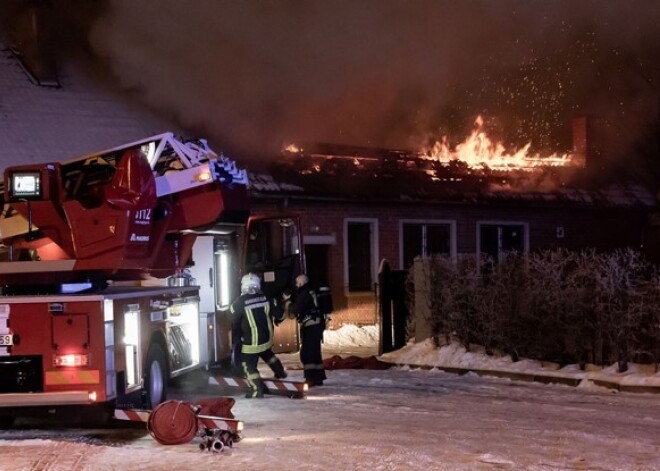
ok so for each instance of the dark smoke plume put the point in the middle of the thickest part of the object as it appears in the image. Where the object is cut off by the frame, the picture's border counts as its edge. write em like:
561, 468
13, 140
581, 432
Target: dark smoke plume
255, 75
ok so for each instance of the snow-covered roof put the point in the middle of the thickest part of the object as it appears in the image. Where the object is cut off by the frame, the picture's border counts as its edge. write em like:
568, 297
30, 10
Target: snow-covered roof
83, 115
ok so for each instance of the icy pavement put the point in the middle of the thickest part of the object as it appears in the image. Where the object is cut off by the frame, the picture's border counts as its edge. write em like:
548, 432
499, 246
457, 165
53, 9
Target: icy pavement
397, 419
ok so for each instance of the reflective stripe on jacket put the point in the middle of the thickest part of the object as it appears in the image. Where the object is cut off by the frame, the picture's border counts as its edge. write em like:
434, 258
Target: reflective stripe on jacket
305, 307
252, 322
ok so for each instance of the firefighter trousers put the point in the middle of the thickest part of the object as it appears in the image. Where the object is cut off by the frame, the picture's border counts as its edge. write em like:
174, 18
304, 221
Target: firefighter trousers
249, 366
310, 353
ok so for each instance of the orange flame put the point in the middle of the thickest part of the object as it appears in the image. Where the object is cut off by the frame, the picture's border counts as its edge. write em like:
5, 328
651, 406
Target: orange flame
478, 151
294, 149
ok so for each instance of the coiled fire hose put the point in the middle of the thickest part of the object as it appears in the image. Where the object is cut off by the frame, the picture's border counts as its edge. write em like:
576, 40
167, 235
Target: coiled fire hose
173, 423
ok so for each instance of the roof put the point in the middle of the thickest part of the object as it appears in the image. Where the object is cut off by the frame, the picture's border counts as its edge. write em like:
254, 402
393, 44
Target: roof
398, 176
42, 124
83, 115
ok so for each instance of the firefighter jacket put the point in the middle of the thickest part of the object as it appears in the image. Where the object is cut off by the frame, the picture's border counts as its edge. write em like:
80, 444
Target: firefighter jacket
252, 322
305, 307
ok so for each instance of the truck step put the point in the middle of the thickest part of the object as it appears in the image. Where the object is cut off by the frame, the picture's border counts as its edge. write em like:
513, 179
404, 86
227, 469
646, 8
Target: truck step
133, 415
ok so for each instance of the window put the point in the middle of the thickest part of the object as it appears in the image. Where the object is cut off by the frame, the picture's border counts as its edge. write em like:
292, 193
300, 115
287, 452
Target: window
495, 238
361, 253
273, 252
425, 238
317, 258
271, 240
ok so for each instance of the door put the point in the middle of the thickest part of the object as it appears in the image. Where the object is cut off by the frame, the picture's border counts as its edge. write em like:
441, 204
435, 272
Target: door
273, 251
203, 273
216, 271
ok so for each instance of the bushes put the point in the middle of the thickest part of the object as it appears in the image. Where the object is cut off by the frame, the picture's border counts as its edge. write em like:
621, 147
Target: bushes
560, 306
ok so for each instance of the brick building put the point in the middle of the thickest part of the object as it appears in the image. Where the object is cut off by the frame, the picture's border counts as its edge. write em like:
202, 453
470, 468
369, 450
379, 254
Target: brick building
359, 206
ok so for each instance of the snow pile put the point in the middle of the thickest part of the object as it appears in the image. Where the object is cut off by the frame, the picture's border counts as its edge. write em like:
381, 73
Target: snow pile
363, 341
352, 336
454, 355
637, 375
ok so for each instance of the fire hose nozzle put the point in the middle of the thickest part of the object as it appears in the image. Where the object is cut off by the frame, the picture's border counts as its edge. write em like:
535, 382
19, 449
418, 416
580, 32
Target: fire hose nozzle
217, 446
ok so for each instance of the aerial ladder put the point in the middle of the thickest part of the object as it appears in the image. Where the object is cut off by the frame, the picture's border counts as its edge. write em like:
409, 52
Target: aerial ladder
99, 307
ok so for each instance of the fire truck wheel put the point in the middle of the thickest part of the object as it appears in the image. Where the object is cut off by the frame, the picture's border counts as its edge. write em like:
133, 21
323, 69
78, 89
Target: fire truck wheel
6, 421
156, 380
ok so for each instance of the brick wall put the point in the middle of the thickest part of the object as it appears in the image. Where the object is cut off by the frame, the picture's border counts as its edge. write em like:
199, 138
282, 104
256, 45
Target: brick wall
604, 229
359, 310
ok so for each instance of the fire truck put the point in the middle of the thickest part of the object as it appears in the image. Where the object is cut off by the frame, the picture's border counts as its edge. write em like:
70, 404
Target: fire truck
117, 270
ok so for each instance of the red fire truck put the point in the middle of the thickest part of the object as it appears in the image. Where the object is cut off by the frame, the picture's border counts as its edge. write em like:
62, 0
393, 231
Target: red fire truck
117, 269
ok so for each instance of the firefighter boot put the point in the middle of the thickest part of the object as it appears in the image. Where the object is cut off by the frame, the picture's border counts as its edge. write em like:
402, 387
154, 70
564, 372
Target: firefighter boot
256, 390
275, 364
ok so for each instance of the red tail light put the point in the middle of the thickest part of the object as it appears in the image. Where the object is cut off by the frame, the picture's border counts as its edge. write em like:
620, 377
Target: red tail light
71, 360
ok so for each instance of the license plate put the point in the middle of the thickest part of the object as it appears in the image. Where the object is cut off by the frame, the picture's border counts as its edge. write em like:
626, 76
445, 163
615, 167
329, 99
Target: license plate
6, 339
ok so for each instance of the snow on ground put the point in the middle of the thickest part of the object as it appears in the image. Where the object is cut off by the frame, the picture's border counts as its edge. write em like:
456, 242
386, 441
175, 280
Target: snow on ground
397, 419
454, 355
425, 353
352, 336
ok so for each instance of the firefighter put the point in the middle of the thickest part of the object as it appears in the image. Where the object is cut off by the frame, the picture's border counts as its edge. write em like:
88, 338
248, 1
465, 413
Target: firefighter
252, 333
312, 323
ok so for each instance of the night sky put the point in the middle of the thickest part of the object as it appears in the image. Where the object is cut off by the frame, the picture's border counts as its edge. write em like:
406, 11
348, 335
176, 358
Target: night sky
256, 75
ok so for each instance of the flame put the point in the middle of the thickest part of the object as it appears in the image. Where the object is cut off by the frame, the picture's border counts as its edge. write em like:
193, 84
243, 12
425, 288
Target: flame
478, 151
292, 148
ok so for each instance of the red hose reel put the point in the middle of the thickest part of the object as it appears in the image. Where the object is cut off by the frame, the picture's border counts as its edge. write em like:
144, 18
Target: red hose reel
177, 422
173, 423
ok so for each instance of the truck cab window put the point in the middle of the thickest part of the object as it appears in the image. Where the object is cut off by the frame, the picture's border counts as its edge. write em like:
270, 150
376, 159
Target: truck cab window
270, 241
273, 252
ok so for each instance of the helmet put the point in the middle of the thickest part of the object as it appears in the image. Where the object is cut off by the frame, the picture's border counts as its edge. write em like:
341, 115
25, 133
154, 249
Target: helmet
301, 280
250, 284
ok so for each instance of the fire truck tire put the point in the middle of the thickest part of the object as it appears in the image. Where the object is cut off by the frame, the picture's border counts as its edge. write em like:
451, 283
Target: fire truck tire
156, 379
6, 421
99, 416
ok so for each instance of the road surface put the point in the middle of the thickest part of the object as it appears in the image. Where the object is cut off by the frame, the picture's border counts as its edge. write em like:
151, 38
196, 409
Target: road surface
395, 419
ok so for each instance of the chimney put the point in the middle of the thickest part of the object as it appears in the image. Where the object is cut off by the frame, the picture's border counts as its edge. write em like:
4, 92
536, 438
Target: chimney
588, 134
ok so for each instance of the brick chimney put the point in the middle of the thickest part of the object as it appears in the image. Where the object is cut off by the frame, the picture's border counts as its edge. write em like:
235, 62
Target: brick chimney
580, 140
586, 152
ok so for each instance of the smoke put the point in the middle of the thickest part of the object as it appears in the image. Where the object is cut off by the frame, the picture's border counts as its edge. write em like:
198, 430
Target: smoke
253, 76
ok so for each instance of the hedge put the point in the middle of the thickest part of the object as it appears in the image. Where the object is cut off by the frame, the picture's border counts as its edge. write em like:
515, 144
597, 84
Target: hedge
557, 305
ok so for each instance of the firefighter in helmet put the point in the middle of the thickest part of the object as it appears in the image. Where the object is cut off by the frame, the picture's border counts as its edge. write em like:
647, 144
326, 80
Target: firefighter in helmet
252, 333
312, 324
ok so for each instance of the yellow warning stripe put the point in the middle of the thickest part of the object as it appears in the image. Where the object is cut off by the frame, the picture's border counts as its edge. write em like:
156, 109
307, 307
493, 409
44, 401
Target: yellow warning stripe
54, 378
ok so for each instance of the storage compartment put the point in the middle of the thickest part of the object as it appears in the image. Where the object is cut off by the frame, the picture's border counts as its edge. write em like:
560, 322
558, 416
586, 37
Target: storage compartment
183, 335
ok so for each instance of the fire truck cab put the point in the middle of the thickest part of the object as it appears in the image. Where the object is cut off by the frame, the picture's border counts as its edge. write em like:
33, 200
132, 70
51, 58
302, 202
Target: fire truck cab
117, 270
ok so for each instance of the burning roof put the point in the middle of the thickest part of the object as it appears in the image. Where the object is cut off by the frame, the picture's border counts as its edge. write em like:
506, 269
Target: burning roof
477, 170
480, 151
